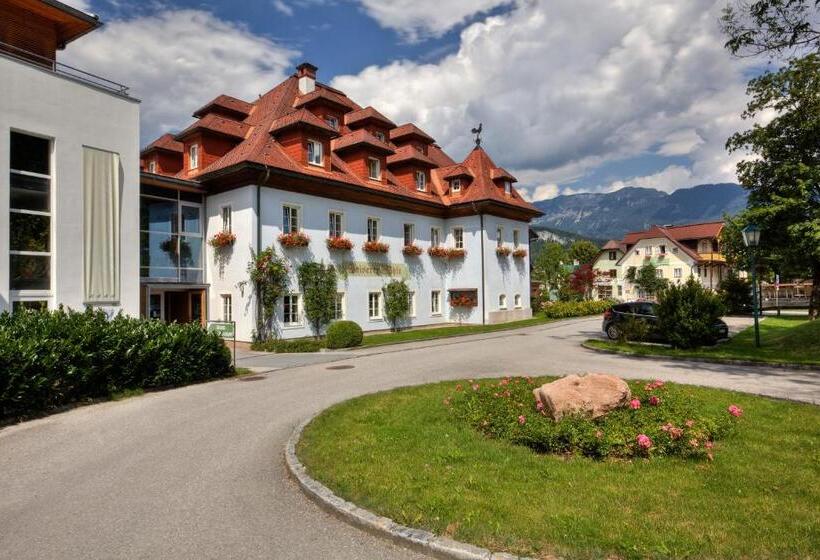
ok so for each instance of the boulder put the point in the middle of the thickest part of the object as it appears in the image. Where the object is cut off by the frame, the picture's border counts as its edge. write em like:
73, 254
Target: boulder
591, 395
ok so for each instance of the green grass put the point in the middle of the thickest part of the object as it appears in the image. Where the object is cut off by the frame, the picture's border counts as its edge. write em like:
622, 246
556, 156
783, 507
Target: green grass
782, 339
403, 455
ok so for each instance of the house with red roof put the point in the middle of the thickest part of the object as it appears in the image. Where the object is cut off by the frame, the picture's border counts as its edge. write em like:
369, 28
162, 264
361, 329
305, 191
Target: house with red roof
677, 252
378, 200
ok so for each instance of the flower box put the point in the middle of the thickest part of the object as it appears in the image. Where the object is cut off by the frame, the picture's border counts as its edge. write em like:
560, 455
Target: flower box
456, 253
375, 247
463, 298
520, 253
411, 250
294, 240
503, 251
222, 239
438, 252
339, 244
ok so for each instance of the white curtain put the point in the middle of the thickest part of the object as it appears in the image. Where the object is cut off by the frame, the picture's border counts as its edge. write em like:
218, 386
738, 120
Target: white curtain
101, 226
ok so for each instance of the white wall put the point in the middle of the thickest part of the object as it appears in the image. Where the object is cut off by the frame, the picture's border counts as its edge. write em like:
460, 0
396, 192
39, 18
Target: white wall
73, 115
506, 275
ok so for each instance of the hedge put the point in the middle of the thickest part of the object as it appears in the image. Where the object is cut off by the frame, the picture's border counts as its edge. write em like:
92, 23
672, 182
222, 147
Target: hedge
565, 309
287, 346
344, 334
50, 359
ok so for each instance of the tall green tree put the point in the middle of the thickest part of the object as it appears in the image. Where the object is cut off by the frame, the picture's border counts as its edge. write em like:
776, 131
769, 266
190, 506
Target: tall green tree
646, 278
318, 284
583, 251
772, 27
547, 266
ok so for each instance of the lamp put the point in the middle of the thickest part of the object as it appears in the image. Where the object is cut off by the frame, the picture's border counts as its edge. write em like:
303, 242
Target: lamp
751, 238
751, 235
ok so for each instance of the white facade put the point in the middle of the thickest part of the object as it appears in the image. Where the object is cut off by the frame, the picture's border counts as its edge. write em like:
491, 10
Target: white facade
72, 115
362, 273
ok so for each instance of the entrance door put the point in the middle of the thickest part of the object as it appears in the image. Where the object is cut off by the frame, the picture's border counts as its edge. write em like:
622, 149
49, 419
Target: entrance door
177, 307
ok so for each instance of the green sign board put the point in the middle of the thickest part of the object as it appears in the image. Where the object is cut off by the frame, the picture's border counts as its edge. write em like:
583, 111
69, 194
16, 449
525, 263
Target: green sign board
225, 329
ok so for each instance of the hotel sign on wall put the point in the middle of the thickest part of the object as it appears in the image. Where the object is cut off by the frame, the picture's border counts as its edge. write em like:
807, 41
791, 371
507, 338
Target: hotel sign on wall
361, 268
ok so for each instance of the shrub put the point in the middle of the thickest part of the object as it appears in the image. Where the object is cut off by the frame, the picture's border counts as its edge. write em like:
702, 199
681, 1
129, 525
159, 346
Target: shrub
687, 314
396, 302
736, 294
287, 346
343, 334
632, 329
50, 359
663, 419
565, 309
318, 284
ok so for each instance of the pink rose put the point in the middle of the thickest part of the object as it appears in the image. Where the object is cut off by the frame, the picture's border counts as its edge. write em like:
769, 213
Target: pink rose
475, 386
675, 433
690, 423
599, 434
522, 419
654, 401
643, 441
458, 387
735, 410
539, 405
693, 442
634, 404
709, 445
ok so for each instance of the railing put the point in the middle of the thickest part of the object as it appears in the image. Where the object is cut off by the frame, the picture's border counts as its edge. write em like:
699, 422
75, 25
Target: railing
62, 69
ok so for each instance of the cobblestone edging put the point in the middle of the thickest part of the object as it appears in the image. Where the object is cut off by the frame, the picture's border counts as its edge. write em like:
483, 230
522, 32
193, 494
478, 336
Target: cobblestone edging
727, 361
425, 541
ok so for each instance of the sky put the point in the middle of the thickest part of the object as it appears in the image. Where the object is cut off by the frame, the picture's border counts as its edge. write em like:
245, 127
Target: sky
574, 95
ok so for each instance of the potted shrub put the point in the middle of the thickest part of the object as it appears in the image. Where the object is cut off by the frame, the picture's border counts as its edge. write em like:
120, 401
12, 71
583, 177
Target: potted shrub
411, 250
503, 251
520, 253
339, 244
438, 252
375, 247
294, 240
456, 253
222, 239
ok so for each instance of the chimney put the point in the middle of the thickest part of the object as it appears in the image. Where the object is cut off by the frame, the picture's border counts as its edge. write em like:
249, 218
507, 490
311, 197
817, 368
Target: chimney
306, 72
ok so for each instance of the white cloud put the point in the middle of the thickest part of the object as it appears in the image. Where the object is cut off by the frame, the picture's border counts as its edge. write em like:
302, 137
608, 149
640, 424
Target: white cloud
282, 8
83, 5
563, 86
417, 19
177, 60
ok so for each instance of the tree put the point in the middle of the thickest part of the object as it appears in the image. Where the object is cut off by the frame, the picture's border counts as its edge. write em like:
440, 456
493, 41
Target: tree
318, 284
736, 294
773, 27
646, 278
268, 276
547, 267
783, 176
396, 302
580, 280
583, 251
687, 314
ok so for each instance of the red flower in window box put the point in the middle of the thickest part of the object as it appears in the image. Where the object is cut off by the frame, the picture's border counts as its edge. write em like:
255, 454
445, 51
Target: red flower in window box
411, 250
375, 247
293, 240
463, 301
456, 253
438, 252
222, 239
339, 243
503, 251
520, 253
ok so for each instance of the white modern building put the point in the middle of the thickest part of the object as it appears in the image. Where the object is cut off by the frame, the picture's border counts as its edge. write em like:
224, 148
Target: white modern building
69, 169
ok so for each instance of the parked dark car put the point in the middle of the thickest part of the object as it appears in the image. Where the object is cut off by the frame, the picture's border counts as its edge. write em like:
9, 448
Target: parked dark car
645, 311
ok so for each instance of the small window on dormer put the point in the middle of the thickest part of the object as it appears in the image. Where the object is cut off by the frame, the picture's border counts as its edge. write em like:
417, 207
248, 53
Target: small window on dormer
380, 135
374, 169
421, 181
507, 188
455, 185
152, 167
314, 152
332, 122
193, 156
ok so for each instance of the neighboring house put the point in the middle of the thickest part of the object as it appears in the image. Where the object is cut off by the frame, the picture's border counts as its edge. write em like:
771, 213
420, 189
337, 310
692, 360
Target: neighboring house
69, 169
303, 158
677, 252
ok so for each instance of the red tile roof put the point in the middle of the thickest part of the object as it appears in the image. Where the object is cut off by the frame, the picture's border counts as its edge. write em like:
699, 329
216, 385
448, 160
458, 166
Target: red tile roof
409, 154
367, 114
165, 142
409, 129
330, 96
220, 125
676, 234
453, 171
696, 231
501, 173
227, 103
360, 138
611, 245
301, 117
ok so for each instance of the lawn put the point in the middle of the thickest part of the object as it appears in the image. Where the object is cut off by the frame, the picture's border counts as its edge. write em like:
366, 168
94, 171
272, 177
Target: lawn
782, 339
403, 454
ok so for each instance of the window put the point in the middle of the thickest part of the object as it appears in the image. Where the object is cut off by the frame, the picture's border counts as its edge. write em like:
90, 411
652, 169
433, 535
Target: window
620, 290
502, 301
649, 251
193, 156
663, 249
314, 152
499, 236
517, 300
227, 307
30, 213
435, 237
380, 135
171, 240
674, 250
507, 188
374, 169
421, 181
372, 229
516, 238
290, 219
334, 228
678, 273
409, 234
435, 302
225, 212
613, 255
455, 185
374, 305
339, 307
290, 307
29, 305
411, 304
458, 237
659, 272
152, 167
332, 122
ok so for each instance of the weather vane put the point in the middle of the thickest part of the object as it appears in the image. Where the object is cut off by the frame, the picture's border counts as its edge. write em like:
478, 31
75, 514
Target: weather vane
477, 132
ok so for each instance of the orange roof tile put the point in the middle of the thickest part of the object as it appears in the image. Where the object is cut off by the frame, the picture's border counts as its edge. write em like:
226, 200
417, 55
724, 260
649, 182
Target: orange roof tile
501, 173
328, 95
611, 245
406, 154
226, 103
453, 171
301, 117
360, 137
220, 125
165, 142
367, 114
409, 129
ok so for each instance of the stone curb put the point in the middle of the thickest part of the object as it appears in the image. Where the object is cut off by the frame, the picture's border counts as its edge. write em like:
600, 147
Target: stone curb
727, 361
418, 539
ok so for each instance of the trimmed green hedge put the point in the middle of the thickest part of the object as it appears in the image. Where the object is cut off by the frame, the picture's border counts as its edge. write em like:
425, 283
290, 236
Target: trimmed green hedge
288, 346
50, 359
565, 309
344, 334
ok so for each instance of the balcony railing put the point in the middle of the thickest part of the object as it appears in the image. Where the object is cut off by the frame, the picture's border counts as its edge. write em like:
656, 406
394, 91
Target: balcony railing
62, 69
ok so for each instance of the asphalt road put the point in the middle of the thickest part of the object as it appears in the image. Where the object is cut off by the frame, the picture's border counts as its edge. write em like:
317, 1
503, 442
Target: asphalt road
198, 473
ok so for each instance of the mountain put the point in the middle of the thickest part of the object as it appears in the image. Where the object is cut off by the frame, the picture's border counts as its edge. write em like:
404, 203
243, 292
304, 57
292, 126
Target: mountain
611, 215
567, 238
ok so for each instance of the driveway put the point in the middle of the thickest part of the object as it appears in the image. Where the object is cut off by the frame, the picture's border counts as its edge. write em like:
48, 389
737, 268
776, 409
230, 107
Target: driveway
197, 472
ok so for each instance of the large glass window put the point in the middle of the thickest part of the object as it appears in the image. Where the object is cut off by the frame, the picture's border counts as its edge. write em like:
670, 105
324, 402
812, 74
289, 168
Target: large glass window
29, 213
171, 241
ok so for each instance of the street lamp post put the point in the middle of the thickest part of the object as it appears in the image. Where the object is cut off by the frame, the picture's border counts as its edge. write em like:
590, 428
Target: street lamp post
751, 238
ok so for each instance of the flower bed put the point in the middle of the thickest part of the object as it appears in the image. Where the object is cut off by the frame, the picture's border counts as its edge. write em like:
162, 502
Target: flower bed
339, 244
661, 419
222, 239
294, 240
375, 247
411, 250
503, 251
520, 253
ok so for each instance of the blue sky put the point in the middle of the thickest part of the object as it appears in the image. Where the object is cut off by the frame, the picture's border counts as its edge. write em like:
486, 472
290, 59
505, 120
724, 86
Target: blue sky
575, 95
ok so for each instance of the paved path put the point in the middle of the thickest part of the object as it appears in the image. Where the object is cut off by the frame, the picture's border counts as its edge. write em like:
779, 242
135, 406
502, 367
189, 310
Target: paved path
198, 473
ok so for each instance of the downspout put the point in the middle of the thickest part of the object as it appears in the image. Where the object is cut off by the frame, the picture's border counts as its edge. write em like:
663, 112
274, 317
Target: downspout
483, 295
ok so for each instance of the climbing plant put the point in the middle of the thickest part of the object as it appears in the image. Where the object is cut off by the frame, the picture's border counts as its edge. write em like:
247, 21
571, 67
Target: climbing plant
396, 302
268, 277
318, 285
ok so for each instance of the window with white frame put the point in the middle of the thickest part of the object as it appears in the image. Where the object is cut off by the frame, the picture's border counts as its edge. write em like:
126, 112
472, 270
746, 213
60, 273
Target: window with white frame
502, 301
411, 304
335, 228
409, 234
193, 156
380, 135
227, 307
435, 237
332, 122
314, 148
339, 307
290, 218
517, 300
649, 250
290, 310
225, 213
613, 255
421, 181
659, 272
458, 237
372, 229
29, 213
455, 185
374, 168
516, 238
620, 290
374, 305
152, 166
435, 302
499, 236
678, 273
507, 188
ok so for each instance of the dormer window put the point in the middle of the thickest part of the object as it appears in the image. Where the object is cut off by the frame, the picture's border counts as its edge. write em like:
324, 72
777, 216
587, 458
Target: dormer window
421, 181
380, 135
152, 167
507, 188
193, 156
332, 122
314, 149
374, 169
455, 185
